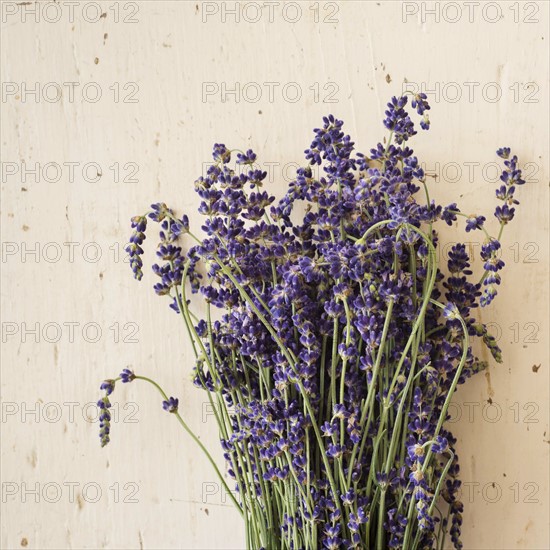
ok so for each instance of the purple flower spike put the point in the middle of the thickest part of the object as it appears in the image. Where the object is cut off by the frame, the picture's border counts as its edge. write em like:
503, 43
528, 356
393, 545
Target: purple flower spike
127, 376
171, 405
108, 386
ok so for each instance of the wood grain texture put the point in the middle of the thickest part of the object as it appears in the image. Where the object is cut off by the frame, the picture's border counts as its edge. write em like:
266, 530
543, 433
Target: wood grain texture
171, 61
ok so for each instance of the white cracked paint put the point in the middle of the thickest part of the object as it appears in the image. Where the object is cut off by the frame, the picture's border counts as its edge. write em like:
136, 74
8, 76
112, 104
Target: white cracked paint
357, 54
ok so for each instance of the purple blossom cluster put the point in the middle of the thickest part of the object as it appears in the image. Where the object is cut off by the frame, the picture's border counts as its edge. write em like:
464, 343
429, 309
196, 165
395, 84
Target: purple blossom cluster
338, 342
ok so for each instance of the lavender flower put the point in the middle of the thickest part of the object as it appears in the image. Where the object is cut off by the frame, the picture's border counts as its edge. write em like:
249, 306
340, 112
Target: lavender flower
171, 405
338, 340
474, 222
127, 376
108, 386
104, 419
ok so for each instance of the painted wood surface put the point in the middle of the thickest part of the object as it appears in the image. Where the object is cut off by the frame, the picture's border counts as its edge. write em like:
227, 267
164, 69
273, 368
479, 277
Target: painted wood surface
109, 106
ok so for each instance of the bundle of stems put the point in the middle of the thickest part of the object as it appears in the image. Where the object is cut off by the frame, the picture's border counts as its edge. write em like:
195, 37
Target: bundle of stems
337, 343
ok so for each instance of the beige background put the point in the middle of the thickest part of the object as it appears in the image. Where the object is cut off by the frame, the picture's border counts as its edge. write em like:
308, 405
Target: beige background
165, 80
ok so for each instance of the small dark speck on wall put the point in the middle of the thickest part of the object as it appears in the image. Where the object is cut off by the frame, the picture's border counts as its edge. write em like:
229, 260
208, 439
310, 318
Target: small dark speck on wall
536, 367
24, 541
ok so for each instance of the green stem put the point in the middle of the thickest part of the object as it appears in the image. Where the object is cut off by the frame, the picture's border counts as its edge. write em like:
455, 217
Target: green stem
197, 441
442, 417
291, 360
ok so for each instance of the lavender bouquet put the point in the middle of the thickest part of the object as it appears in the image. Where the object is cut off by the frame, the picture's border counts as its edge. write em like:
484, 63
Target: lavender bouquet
340, 341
